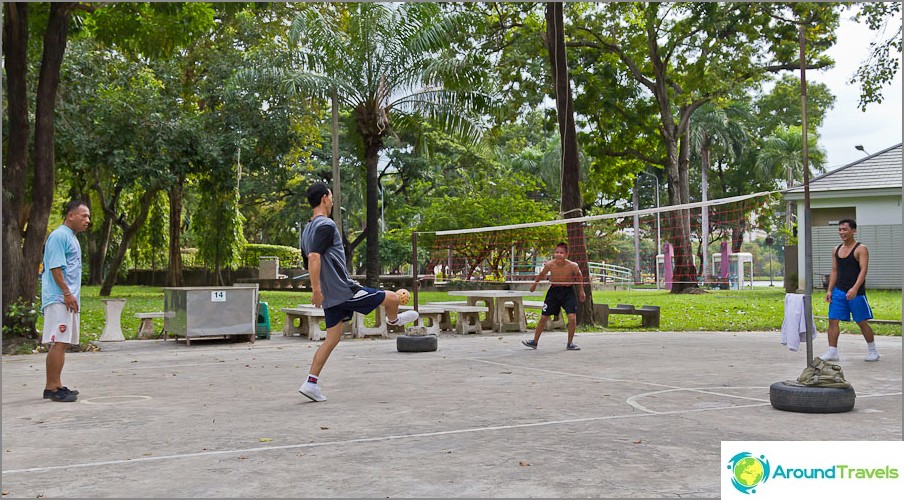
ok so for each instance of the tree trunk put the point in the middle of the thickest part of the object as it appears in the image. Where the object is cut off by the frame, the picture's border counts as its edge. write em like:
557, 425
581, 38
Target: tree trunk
372, 146
571, 169
174, 271
15, 54
98, 254
20, 257
128, 232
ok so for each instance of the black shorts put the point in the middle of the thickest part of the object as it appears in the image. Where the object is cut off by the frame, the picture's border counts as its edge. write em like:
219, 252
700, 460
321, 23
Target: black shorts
560, 297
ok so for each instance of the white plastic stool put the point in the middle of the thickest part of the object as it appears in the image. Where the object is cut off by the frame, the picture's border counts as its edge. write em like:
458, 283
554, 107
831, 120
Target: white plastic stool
113, 328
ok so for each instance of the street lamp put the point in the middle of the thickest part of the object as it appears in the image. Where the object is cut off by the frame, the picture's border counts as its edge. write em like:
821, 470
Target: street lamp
859, 147
769, 242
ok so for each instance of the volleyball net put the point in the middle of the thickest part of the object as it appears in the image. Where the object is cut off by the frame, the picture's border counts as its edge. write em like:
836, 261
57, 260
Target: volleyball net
655, 246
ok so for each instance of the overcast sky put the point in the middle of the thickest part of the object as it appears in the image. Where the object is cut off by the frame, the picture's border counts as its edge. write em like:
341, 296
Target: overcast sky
845, 125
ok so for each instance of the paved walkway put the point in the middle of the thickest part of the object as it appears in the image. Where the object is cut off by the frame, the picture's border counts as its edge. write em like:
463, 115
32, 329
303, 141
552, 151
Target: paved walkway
637, 414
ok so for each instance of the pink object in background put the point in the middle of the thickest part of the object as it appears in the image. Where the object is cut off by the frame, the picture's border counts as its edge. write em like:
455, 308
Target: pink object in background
723, 270
667, 254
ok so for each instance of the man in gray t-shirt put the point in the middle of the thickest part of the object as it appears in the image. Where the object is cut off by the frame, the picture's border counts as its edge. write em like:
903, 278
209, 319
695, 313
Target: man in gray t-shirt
333, 289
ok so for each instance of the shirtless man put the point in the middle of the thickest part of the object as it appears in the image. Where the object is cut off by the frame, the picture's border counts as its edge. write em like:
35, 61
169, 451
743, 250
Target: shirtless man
563, 275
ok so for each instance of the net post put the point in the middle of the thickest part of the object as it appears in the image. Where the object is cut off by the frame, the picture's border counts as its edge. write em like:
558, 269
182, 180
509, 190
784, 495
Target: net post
414, 282
808, 231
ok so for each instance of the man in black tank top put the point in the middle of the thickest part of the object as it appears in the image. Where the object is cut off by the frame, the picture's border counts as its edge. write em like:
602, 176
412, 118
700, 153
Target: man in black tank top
846, 293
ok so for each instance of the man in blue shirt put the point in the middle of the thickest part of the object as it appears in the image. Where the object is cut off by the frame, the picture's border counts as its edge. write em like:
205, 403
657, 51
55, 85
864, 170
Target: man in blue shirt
61, 282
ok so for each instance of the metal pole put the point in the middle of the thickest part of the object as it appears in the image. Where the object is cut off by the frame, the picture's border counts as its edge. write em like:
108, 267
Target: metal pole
414, 282
704, 213
808, 241
637, 279
658, 230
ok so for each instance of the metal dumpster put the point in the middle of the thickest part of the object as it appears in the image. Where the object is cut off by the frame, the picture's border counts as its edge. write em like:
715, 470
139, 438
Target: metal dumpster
193, 312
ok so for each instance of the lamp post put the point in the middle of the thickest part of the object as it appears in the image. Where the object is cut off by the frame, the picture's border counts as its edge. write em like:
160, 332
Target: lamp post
859, 147
769, 242
658, 234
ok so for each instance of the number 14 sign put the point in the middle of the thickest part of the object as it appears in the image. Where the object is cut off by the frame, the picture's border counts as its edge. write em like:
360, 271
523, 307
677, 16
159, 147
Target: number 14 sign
218, 296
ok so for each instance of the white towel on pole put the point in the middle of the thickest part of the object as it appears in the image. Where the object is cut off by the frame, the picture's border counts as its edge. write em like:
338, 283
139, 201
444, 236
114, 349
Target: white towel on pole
794, 326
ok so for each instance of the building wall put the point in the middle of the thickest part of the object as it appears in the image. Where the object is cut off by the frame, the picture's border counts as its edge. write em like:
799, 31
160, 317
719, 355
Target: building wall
879, 227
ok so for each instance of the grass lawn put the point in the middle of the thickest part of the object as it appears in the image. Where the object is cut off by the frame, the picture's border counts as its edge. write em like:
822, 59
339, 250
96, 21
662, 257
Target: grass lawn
760, 309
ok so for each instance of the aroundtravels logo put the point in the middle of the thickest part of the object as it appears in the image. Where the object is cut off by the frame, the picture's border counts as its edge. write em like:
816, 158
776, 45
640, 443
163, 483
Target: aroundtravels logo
748, 471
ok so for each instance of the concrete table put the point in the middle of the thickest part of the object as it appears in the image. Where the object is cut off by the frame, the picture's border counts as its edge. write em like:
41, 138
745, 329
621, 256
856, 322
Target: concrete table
506, 307
113, 327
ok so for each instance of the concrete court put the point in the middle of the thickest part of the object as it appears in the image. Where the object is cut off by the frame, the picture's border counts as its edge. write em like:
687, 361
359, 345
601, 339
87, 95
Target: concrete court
637, 414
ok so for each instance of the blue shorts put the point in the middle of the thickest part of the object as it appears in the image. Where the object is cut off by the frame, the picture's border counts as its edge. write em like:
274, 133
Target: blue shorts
842, 309
364, 301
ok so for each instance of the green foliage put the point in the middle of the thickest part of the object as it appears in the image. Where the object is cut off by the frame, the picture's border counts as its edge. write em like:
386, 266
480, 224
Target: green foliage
395, 251
880, 68
219, 228
485, 208
288, 256
20, 317
149, 247
782, 107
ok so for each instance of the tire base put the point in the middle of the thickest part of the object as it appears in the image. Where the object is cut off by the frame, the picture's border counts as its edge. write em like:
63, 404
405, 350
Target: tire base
793, 396
416, 343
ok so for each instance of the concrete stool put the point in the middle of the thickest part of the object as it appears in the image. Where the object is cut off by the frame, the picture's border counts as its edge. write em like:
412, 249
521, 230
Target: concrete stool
113, 312
379, 328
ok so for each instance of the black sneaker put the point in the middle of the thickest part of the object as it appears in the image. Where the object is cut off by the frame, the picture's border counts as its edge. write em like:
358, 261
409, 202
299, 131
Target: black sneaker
47, 392
572, 347
62, 395
530, 343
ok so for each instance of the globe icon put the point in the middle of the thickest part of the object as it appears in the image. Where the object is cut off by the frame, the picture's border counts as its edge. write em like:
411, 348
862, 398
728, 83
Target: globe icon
748, 471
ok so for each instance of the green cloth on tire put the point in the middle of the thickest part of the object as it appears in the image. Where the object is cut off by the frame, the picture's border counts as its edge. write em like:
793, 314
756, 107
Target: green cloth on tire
823, 374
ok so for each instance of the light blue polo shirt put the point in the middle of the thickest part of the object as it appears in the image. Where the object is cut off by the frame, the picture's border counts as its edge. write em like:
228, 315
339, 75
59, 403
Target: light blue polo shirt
61, 250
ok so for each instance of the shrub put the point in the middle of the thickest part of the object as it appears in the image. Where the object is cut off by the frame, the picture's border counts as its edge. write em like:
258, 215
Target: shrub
20, 319
288, 256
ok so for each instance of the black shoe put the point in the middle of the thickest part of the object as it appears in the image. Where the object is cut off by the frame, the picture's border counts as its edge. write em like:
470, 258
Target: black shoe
572, 347
47, 392
63, 396
530, 343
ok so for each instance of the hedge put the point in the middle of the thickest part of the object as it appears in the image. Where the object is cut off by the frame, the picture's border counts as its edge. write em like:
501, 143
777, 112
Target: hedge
288, 256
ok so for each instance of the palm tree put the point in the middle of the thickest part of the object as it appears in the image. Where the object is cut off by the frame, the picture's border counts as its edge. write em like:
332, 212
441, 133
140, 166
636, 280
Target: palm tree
782, 156
391, 64
712, 127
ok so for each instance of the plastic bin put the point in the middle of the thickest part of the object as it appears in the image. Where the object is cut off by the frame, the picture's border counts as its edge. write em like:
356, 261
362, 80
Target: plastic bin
262, 329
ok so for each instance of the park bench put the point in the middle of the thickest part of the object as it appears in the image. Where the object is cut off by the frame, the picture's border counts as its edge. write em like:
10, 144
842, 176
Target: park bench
467, 317
649, 315
146, 327
873, 321
305, 320
430, 318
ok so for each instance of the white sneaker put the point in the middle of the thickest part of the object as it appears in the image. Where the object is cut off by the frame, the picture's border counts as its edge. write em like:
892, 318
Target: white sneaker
872, 356
404, 318
830, 356
311, 391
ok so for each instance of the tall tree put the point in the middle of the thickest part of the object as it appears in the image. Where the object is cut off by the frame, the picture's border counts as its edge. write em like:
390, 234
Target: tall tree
28, 186
572, 202
387, 63
684, 55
